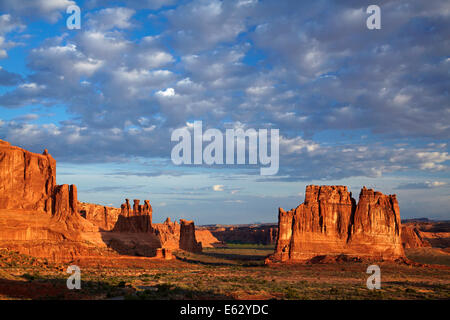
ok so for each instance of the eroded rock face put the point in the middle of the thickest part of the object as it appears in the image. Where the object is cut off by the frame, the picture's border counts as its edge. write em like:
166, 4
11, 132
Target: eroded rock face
102, 216
206, 238
412, 237
187, 237
27, 179
329, 222
137, 220
65, 202
376, 231
168, 234
40, 218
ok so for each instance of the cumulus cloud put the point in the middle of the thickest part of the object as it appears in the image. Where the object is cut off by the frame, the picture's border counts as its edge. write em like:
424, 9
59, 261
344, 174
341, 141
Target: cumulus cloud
202, 24
169, 92
310, 69
49, 10
110, 18
422, 185
136, 4
217, 187
8, 24
9, 78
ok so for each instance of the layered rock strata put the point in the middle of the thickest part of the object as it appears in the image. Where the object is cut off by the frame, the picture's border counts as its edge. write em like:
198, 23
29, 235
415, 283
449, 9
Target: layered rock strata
413, 238
329, 222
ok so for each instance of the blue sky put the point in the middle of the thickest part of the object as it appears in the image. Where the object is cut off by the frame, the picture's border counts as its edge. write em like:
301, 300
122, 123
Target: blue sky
354, 106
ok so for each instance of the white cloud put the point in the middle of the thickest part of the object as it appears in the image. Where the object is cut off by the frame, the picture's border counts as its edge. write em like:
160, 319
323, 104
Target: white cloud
297, 145
110, 18
50, 10
154, 59
217, 187
7, 25
436, 183
169, 92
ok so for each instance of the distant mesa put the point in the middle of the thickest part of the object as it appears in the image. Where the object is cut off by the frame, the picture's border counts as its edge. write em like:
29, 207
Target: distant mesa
412, 237
261, 234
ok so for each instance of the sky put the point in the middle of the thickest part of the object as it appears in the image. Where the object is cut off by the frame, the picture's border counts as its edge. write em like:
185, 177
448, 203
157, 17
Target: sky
353, 106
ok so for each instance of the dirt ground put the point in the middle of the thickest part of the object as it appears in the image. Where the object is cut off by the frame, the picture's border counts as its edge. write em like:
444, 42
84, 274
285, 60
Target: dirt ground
236, 272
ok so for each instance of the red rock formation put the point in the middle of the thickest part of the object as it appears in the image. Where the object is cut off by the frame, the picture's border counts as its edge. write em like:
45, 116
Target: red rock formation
412, 237
102, 216
187, 237
329, 223
138, 220
377, 225
132, 232
437, 234
168, 234
39, 218
159, 253
282, 249
167, 253
206, 238
65, 202
27, 179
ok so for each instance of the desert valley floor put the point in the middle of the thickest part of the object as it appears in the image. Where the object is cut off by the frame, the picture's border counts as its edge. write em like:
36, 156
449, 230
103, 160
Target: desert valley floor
234, 272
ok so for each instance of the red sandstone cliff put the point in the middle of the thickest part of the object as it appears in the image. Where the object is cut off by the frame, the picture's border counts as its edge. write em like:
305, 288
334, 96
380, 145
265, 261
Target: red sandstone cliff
27, 179
130, 230
206, 238
412, 237
188, 241
329, 222
42, 219
103, 216
38, 217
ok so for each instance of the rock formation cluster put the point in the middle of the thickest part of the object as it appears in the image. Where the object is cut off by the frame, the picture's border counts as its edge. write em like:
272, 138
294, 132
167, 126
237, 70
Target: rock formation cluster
40, 218
136, 219
329, 222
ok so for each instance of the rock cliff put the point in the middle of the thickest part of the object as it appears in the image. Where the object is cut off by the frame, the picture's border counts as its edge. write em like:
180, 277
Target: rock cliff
103, 216
42, 219
412, 237
329, 222
188, 241
27, 179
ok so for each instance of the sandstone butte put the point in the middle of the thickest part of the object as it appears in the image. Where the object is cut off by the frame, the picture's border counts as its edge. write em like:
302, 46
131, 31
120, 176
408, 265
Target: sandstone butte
330, 223
43, 219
